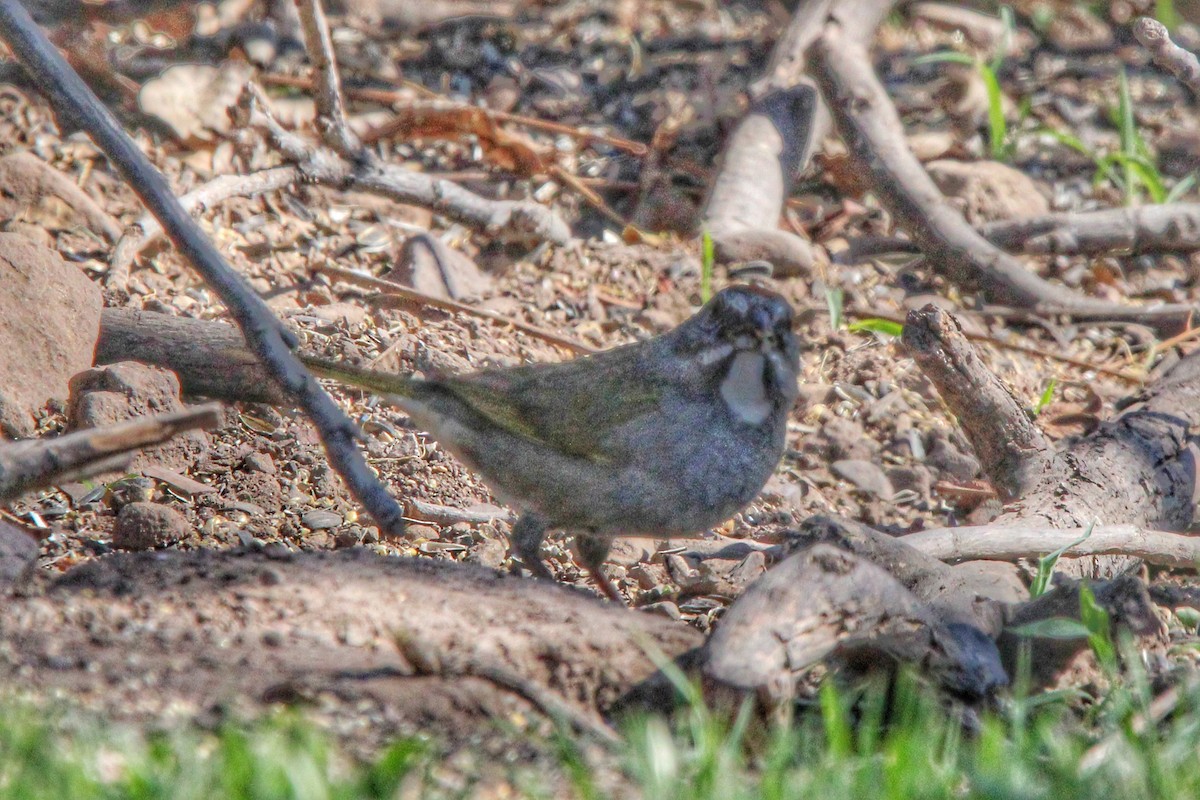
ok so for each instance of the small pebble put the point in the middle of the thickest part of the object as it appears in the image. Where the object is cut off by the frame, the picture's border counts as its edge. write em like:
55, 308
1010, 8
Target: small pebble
259, 462
143, 526
666, 608
321, 520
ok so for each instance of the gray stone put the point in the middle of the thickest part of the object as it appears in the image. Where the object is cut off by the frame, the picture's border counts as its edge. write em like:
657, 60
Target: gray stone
321, 520
865, 475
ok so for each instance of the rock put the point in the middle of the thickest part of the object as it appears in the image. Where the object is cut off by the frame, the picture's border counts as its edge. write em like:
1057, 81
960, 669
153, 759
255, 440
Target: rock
1074, 29
944, 455
349, 314
260, 488
691, 580
18, 556
144, 526
16, 422
321, 520
865, 475
49, 323
915, 479
488, 553
259, 462
135, 489
419, 531
747, 571
41, 199
989, 190
731, 576
429, 265
841, 438
664, 607
345, 539
118, 392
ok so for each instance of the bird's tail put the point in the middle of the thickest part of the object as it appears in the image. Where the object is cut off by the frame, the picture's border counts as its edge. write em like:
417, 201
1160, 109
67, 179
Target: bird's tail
372, 380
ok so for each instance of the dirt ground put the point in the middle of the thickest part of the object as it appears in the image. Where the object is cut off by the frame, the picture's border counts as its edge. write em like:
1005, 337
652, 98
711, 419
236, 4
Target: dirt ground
279, 589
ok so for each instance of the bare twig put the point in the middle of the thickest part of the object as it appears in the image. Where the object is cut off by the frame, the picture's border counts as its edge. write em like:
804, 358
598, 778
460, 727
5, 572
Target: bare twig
873, 133
1007, 442
422, 511
509, 220
420, 298
36, 463
1181, 63
1012, 542
1170, 228
265, 335
331, 110
147, 229
405, 104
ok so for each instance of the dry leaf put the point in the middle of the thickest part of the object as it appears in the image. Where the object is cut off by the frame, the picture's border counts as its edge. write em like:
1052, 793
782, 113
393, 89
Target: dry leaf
191, 98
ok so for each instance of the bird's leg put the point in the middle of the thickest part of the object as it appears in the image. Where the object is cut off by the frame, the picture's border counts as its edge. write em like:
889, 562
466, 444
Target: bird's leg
528, 533
592, 551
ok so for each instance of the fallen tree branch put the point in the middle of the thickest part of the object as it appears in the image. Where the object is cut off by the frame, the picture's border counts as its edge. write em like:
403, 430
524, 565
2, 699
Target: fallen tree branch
1010, 447
825, 601
759, 165
1137, 469
1015, 542
874, 135
35, 463
430, 660
265, 335
209, 357
774, 142
423, 511
1170, 228
1181, 63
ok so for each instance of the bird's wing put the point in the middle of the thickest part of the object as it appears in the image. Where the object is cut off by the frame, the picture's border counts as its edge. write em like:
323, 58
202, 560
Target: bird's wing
571, 407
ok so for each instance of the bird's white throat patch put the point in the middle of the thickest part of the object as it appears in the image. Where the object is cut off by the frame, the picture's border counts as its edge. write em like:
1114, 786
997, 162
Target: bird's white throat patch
745, 389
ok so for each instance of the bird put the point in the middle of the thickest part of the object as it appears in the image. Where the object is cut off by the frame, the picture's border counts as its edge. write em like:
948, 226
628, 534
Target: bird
665, 437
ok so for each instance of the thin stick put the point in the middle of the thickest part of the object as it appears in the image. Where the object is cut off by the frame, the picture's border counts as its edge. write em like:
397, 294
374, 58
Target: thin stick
146, 230
331, 109
35, 463
1181, 63
412, 295
422, 511
396, 98
509, 220
265, 335
1014, 542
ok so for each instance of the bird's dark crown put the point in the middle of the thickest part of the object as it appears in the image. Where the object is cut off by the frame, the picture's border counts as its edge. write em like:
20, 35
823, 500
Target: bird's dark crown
750, 311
